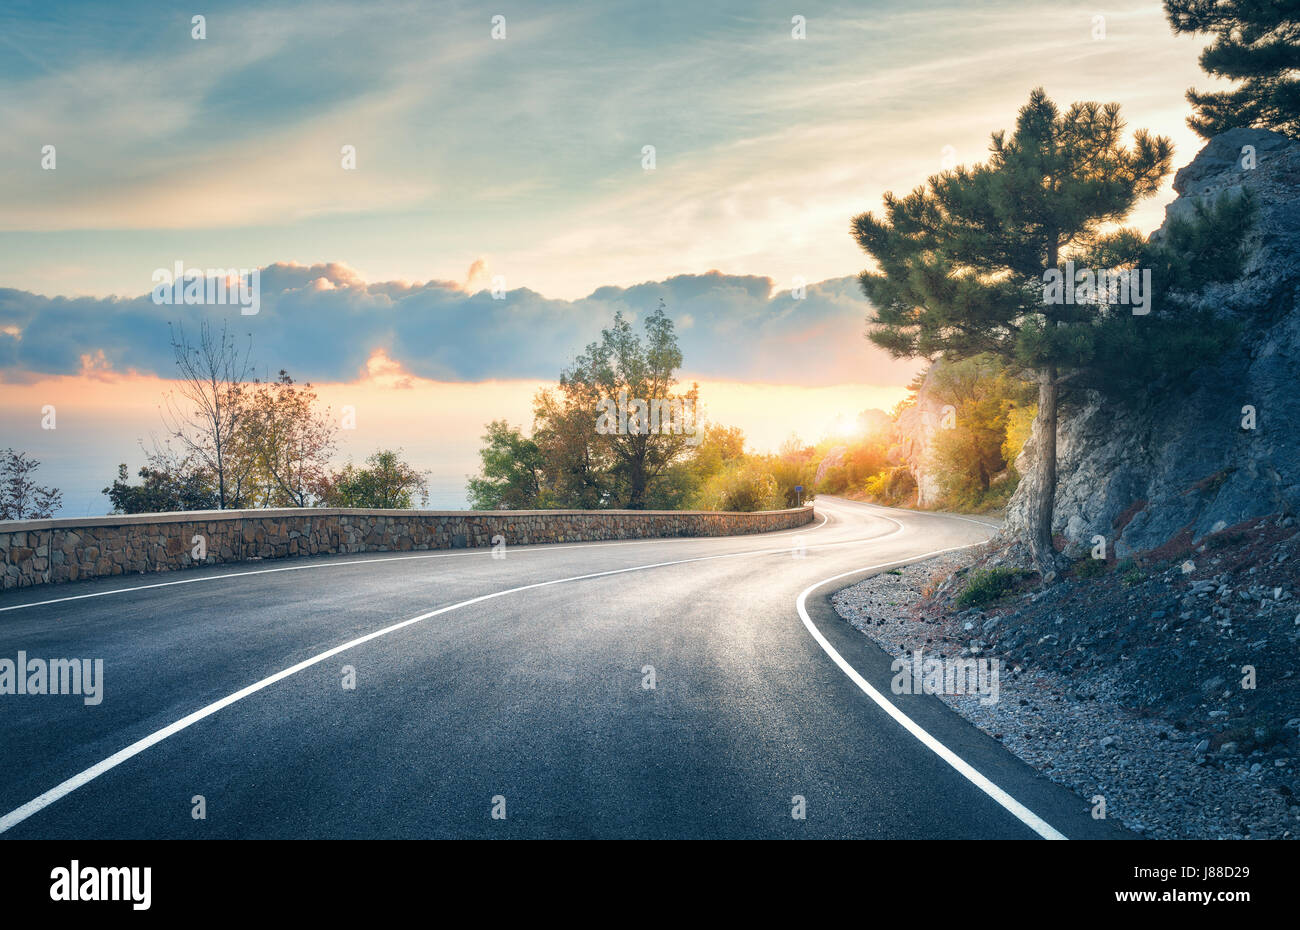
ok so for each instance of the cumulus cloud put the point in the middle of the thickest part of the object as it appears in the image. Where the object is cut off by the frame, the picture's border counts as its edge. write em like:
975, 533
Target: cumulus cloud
478, 276
324, 323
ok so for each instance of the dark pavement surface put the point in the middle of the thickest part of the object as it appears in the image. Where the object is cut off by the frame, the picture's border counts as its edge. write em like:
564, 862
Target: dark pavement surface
535, 695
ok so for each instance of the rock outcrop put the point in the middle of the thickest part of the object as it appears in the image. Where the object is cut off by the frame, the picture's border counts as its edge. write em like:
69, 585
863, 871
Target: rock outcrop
1224, 447
913, 433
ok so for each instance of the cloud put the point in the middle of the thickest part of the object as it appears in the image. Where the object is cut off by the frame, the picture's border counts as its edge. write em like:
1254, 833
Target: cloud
95, 366
325, 323
478, 276
384, 372
526, 150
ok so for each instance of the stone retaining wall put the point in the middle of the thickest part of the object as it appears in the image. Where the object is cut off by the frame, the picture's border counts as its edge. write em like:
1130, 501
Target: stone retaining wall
52, 551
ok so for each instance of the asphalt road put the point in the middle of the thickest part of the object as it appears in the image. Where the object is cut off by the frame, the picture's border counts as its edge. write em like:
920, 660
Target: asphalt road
520, 678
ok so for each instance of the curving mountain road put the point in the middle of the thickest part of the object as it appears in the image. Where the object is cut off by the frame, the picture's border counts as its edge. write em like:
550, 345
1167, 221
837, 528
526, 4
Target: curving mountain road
520, 678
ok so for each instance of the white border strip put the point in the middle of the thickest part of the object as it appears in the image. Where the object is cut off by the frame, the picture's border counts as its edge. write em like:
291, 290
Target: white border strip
964, 768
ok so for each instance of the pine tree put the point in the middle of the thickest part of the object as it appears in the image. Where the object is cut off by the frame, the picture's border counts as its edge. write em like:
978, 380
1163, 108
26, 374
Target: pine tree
1256, 42
962, 260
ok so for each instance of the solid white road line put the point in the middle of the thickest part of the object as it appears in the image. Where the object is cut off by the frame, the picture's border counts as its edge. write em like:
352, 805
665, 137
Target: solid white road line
964, 768
539, 547
65, 788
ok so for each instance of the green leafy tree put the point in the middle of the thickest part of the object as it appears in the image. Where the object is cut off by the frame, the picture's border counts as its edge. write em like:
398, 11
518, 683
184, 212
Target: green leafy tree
164, 488
1130, 353
386, 482
1256, 42
656, 452
640, 376
577, 462
721, 445
512, 472
678, 488
967, 454
962, 261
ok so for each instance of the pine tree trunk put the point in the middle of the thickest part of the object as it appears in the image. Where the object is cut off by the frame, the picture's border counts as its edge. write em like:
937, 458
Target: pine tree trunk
1043, 491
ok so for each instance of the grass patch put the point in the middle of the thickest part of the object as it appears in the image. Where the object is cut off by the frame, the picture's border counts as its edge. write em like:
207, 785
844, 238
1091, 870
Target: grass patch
1090, 568
1130, 572
988, 585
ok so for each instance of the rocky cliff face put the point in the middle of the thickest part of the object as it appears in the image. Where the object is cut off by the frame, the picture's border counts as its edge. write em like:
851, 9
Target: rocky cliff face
1188, 462
913, 433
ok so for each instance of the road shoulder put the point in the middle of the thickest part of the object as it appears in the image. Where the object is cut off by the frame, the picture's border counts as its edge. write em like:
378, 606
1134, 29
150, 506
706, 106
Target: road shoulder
1144, 769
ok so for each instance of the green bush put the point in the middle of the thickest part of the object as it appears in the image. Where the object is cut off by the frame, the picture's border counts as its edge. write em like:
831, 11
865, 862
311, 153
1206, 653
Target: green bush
741, 486
1090, 568
1130, 572
988, 585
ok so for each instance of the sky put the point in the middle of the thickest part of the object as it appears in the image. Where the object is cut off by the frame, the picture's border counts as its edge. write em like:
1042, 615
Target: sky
517, 162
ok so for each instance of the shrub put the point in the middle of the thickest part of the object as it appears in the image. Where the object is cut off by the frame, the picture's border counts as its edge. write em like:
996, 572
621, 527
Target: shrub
741, 486
988, 585
1130, 572
1090, 568
891, 486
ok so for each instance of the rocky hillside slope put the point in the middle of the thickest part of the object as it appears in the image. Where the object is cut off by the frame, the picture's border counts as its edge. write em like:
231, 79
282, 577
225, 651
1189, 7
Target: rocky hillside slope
1185, 466
1169, 691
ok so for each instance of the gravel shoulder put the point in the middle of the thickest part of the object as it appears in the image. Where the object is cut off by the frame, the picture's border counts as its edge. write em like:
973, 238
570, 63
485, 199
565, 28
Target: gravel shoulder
1174, 751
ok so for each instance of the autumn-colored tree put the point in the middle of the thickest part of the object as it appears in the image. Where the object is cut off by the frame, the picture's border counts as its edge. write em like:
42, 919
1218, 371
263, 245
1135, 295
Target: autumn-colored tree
289, 440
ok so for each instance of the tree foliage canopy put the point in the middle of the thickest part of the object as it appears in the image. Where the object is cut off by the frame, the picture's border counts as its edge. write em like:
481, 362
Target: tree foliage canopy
588, 449
961, 260
386, 482
1256, 42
